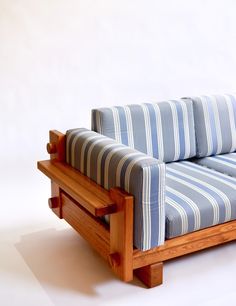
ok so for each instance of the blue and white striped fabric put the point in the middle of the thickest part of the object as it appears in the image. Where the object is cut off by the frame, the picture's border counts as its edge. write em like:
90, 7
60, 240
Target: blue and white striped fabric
164, 130
111, 164
215, 124
197, 198
225, 163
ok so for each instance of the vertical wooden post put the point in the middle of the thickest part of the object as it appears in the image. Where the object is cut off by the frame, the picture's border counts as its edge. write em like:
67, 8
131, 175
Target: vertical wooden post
121, 235
57, 145
57, 150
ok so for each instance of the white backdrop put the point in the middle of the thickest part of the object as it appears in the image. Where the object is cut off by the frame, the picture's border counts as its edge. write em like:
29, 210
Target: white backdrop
59, 59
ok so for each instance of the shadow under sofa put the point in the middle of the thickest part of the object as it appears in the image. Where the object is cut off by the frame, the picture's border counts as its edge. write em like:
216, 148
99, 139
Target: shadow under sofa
143, 186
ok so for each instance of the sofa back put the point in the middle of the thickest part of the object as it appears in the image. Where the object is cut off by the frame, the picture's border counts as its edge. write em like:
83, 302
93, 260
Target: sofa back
215, 124
163, 130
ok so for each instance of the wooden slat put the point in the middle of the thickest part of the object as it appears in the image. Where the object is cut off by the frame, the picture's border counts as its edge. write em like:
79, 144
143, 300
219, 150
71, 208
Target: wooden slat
186, 244
90, 228
89, 195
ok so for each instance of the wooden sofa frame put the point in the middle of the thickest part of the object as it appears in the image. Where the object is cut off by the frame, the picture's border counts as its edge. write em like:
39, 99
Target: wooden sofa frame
81, 202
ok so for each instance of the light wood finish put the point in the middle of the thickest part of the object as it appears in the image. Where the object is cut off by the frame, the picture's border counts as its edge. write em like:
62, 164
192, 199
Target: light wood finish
80, 201
117, 250
151, 275
90, 228
56, 145
87, 193
121, 235
55, 201
186, 244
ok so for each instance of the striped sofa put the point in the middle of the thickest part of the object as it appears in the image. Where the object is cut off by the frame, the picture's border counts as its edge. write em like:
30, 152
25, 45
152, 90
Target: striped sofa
175, 157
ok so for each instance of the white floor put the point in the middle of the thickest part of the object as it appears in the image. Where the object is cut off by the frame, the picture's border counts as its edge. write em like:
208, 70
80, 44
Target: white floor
45, 262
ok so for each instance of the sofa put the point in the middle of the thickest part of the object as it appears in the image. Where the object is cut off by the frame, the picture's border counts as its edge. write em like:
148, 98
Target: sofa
148, 182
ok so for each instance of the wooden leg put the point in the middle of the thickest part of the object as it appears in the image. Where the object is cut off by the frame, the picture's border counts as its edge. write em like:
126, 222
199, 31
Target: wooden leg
151, 275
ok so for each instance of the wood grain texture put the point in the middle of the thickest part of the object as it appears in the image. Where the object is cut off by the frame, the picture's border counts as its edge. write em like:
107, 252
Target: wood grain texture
90, 228
151, 275
186, 244
83, 190
121, 235
57, 145
80, 201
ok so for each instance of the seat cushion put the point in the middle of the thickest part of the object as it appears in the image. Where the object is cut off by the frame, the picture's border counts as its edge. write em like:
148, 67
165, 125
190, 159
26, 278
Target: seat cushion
197, 198
225, 163
163, 130
215, 124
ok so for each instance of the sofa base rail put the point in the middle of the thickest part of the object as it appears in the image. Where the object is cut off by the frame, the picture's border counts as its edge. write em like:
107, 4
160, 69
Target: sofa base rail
81, 202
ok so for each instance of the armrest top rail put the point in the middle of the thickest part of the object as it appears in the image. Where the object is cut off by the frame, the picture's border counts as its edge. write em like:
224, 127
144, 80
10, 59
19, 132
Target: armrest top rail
90, 195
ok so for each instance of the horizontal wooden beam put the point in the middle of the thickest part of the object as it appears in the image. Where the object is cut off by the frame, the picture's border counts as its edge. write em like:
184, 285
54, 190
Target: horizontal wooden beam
87, 193
186, 244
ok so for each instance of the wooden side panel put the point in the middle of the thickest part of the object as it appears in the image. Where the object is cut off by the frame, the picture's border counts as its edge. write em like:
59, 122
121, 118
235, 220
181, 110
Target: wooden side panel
186, 244
121, 235
90, 228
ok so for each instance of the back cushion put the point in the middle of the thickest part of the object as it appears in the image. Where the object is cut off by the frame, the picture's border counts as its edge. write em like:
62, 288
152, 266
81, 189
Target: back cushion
215, 118
164, 130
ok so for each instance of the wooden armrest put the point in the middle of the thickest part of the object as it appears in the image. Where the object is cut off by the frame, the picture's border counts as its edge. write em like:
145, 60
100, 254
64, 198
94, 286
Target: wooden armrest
87, 193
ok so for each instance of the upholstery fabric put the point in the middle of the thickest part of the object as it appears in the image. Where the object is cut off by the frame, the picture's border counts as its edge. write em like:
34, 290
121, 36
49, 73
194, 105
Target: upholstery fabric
111, 164
225, 163
215, 124
197, 198
164, 130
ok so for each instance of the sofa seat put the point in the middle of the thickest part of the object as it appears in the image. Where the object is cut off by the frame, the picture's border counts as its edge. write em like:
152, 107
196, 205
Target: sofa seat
225, 163
197, 198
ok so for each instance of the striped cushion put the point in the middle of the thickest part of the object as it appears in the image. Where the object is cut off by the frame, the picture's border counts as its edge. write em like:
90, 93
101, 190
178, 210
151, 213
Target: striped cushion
215, 119
111, 164
196, 198
225, 163
164, 130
